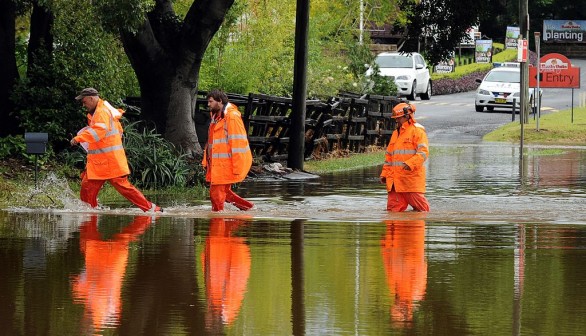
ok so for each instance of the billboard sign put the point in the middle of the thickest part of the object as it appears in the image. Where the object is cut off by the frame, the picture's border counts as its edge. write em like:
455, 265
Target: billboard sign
511, 37
556, 71
564, 31
483, 51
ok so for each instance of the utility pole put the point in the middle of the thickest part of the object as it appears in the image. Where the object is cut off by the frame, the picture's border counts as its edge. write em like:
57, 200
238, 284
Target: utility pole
297, 138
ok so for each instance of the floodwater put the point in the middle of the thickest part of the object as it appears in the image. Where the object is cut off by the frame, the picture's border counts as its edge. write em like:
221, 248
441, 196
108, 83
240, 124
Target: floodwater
501, 252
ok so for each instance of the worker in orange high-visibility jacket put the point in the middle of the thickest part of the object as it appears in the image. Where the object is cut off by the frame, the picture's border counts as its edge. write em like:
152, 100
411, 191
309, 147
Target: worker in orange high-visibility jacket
106, 158
404, 170
227, 157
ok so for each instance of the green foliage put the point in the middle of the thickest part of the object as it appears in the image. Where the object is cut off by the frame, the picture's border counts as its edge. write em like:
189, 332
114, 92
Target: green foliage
438, 26
506, 55
382, 85
85, 55
12, 146
15, 147
254, 49
154, 161
128, 15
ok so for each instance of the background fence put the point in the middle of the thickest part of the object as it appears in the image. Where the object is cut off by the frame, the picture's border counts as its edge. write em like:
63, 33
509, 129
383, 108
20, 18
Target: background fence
348, 122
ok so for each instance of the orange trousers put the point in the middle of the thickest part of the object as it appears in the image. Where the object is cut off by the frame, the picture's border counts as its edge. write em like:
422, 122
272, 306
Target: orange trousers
90, 189
221, 193
398, 201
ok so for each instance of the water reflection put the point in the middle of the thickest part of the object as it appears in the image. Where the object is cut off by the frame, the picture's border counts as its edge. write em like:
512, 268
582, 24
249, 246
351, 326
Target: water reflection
226, 268
98, 287
405, 267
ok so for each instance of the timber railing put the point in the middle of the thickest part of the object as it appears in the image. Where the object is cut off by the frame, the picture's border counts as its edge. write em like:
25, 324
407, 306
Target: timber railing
348, 122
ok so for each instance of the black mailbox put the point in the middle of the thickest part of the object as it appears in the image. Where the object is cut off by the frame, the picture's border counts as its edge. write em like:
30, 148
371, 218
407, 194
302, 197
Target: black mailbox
36, 143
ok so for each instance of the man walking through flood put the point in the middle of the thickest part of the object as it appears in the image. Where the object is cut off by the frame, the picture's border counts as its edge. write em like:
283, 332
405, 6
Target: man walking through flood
227, 156
106, 158
404, 170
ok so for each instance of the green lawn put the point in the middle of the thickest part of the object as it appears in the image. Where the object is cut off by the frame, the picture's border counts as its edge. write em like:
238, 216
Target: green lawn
555, 128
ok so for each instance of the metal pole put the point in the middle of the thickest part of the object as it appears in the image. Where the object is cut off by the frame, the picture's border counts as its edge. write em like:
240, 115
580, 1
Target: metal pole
36, 169
524, 29
536, 94
572, 105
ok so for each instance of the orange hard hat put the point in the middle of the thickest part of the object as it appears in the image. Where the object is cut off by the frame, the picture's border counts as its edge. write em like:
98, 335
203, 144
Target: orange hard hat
402, 109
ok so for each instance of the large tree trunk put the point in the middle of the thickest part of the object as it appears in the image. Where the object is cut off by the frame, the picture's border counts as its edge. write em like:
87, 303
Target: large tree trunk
8, 69
167, 59
41, 39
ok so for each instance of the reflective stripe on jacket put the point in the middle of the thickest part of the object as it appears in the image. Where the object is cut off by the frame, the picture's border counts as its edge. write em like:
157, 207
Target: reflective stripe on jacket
227, 157
106, 158
410, 146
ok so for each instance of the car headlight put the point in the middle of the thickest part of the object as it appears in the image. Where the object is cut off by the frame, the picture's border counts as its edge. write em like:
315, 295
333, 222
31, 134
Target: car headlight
403, 77
484, 92
516, 94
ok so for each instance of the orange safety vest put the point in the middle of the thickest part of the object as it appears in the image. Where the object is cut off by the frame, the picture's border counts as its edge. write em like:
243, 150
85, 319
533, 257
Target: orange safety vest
106, 158
410, 146
227, 157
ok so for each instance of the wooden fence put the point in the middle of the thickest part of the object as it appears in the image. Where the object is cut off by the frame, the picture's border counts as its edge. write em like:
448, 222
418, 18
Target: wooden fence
347, 122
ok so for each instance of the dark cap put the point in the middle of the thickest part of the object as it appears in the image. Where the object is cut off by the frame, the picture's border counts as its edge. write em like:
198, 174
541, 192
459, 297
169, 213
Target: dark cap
87, 92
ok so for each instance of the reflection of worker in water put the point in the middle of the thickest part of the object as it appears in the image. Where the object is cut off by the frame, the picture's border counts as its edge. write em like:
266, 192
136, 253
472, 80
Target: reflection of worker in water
99, 286
405, 266
226, 267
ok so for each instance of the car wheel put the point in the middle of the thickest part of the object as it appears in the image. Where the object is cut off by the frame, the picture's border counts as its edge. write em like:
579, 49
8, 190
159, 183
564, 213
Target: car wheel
490, 108
427, 94
479, 108
413, 94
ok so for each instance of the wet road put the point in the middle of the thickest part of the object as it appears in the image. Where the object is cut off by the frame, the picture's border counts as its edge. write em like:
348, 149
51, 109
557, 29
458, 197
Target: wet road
452, 118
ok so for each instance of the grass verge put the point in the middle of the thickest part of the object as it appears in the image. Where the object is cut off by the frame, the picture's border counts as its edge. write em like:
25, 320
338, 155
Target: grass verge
352, 161
555, 128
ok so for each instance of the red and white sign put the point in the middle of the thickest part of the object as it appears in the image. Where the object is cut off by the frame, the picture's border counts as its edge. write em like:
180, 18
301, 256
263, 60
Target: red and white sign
556, 71
522, 50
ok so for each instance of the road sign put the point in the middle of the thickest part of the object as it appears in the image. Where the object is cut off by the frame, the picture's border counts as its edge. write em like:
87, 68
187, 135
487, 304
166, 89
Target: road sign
556, 71
522, 50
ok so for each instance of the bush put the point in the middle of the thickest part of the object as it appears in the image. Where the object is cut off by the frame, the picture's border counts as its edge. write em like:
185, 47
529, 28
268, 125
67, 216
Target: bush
464, 78
15, 147
154, 162
463, 84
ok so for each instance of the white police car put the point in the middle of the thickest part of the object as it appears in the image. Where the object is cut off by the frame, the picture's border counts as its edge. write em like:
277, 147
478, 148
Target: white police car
500, 87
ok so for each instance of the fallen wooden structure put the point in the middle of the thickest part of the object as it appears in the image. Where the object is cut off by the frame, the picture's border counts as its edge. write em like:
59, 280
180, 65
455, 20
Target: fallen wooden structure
348, 122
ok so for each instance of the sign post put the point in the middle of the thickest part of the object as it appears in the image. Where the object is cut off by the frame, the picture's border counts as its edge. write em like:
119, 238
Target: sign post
522, 50
538, 99
555, 71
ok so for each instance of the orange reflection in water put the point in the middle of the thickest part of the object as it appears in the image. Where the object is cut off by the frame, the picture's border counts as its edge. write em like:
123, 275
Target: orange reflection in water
405, 267
226, 267
99, 285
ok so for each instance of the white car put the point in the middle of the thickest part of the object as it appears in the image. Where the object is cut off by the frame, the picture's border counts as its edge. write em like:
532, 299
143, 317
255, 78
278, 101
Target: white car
409, 71
500, 87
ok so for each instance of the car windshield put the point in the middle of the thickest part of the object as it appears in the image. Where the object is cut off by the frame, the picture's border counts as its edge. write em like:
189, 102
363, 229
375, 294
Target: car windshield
394, 61
504, 77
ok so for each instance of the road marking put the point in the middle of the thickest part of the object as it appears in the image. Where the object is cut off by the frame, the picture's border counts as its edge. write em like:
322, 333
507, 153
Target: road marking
543, 108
